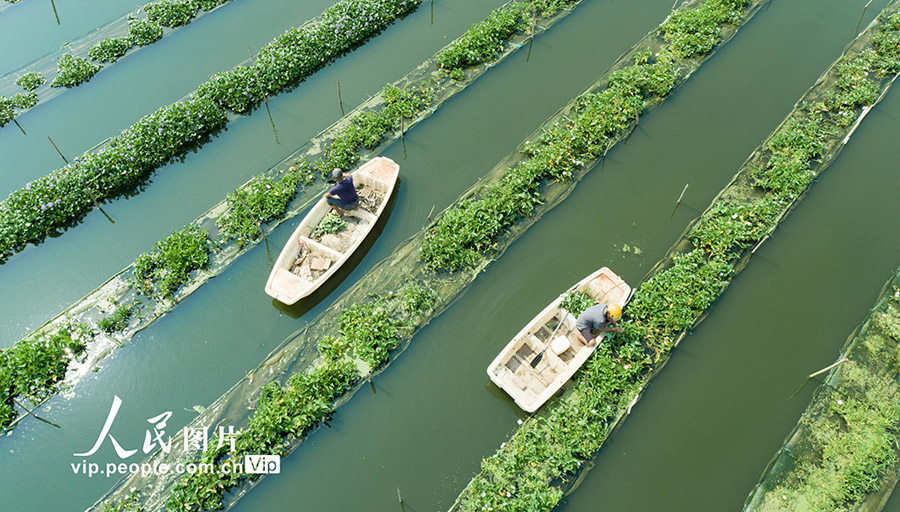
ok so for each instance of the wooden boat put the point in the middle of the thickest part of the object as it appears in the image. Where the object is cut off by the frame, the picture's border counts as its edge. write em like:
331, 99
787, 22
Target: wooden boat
307, 261
531, 387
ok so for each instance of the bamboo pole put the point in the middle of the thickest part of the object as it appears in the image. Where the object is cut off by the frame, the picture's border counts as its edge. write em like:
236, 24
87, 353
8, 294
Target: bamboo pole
686, 185
861, 16
820, 372
31, 413
53, 3
20, 127
340, 100
533, 23
89, 191
66, 160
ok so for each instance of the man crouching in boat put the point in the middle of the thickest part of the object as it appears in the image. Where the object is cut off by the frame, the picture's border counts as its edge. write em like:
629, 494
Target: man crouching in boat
342, 195
595, 317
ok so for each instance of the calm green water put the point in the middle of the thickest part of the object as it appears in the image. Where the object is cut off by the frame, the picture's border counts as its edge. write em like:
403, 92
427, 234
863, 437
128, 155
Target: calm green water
709, 423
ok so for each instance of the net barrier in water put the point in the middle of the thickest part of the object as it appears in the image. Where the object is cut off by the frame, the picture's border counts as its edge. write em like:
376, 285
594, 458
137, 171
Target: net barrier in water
121, 289
550, 453
387, 281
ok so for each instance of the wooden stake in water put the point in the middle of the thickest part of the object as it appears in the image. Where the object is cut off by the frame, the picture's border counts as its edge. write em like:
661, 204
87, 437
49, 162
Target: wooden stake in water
340, 101
432, 12
402, 137
265, 98
861, 16
54, 12
89, 191
31, 413
533, 23
760, 243
768, 4
816, 374
20, 127
432, 211
400, 499
66, 160
686, 185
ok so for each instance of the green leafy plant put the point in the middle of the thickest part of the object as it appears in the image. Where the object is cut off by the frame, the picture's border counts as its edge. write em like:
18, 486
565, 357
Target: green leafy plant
144, 32
31, 80
109, 50
369, 330
577, 302
33, 367
471, 227
416, 299
73, 71
208, 5
266, 198
329, 224
484, 40
727, 226
7, 110
171, 13
117, 320
24, 100
160, 272
130, 503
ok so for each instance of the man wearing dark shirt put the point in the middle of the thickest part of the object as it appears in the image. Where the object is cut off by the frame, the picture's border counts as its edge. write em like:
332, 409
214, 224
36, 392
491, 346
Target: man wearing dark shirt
342, 195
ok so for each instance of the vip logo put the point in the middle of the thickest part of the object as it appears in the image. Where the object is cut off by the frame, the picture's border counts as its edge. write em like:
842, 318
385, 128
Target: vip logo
262, 464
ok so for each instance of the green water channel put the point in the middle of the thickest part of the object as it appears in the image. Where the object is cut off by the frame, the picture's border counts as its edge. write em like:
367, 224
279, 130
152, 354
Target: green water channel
434, 413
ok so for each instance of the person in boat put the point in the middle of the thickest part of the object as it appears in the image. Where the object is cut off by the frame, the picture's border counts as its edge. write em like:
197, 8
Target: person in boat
342, 195
597, 317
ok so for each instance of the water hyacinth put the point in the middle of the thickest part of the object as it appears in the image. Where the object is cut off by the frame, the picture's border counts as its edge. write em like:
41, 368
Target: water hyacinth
31, 80
73, 70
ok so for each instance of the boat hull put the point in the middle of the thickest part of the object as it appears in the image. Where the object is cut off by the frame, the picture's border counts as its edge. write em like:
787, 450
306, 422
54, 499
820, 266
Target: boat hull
306, 262
531, 387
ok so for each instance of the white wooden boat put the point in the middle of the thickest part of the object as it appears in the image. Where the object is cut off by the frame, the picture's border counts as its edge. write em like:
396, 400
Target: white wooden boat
531, 387
307, 261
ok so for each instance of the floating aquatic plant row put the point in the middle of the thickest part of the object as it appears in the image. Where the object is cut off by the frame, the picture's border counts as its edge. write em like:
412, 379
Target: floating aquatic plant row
598, 120
842, 455
259, 205
531, 470
305, 351
141, 27
52, 202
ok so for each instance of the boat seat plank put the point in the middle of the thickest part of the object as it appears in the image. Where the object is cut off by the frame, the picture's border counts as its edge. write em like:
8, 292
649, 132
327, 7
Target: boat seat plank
362, 215
324, 248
